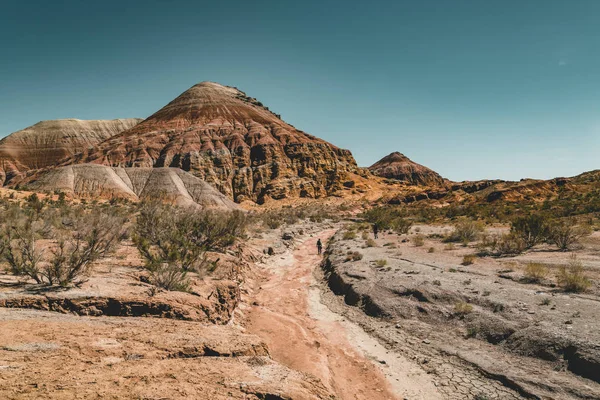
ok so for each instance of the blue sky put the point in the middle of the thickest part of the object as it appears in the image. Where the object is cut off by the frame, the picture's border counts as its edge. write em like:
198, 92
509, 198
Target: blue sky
473, 89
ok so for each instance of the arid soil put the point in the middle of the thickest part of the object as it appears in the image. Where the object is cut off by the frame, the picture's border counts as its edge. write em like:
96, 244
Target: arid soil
535, 339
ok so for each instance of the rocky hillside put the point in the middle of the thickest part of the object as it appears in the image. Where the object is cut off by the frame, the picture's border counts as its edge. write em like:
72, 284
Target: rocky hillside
397, 166
47, 142
94, 181
231, 141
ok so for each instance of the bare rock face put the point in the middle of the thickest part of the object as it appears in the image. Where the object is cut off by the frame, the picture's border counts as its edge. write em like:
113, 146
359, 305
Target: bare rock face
99, 181
231, 141
48, 142
398, 166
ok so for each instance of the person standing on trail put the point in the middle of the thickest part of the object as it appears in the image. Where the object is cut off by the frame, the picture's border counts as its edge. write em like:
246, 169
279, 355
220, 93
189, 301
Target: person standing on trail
375, 230
319, 246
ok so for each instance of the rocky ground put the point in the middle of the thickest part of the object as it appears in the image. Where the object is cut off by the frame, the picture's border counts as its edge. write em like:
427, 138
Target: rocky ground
515, 339
266, 325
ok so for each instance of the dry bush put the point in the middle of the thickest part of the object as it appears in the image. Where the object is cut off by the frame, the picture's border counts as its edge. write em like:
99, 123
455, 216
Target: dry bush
566, 234
572, 277
431, 250
466, 230
275, 218
462, 308
354, 256
364, 236
468, 259
418, 240
381, 263
173, 241
349, 235
535, 272
86, 237
371, 243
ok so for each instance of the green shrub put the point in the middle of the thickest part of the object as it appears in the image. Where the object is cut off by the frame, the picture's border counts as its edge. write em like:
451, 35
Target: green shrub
566, 234
466, 230
388, 217
173, 241
532, 229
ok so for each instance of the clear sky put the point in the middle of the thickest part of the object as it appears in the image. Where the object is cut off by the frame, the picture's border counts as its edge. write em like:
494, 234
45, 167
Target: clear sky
473, 89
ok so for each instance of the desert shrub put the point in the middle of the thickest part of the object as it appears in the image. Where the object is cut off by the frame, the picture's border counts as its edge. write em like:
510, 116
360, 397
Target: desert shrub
418, 240
449, 246
349, 235
468, 259
381, 263
462, 308
354, 256
431, 250
535, 272
572, 277
566, 234
365, 236
508, 244
371, 243
90, 236
173, 241
531, 229
465, 230
388, 218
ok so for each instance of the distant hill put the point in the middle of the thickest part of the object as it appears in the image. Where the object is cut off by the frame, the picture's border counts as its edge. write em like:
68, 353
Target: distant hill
48, 142
397, 166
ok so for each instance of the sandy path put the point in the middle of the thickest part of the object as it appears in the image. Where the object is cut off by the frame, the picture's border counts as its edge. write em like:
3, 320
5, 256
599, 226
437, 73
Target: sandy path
305, 335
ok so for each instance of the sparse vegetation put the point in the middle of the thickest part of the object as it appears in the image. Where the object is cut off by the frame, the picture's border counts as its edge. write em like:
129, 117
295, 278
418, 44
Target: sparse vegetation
349, 235
468, 259
571, 278
371, 243
431, 250
418, 240
354, 256
566, 234
465, 230
388, 217
531, 229
535, 272
381, 263
462, 308
174, 241
79, 238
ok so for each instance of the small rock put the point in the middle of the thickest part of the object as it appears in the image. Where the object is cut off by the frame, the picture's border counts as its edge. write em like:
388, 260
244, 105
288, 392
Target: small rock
426, 341
569, 322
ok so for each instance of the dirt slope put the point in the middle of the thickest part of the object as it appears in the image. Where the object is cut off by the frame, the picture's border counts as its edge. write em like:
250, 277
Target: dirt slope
47, 142
92, 181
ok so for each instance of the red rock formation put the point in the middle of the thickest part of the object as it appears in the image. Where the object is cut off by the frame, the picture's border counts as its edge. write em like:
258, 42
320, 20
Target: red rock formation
398, 166
233, 142
48, 142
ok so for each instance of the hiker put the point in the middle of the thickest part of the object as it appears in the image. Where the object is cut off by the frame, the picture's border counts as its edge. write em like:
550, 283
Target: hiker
375, 230
319, 246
